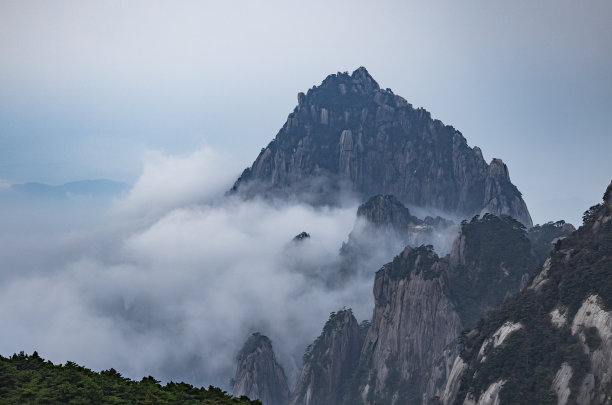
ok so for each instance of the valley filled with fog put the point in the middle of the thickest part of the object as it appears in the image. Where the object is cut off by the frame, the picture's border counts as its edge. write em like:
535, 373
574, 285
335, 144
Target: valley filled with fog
169, 277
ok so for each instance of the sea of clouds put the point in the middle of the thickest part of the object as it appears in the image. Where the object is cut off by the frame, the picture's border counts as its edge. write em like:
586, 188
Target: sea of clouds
170, 278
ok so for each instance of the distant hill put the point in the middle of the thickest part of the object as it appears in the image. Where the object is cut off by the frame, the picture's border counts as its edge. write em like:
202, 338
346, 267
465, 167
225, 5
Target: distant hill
83, 188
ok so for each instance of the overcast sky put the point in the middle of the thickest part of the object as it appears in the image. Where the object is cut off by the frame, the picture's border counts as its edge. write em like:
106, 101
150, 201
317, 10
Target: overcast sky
86, 88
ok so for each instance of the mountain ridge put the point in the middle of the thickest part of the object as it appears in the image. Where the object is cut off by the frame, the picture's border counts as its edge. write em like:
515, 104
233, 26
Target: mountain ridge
557, 345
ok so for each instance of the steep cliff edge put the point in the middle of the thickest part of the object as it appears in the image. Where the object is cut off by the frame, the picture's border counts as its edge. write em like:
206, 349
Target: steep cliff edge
414, 321
348, 134
422, 302
258, 375
329, 362
557, 346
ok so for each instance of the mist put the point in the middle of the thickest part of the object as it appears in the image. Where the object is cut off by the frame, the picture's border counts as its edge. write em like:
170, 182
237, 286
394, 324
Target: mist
170, 278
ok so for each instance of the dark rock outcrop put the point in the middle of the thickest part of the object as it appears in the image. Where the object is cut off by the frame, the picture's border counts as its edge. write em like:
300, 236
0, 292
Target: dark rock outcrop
348, 134
387, 211
329, 362
258, 375
301, 236
383, 227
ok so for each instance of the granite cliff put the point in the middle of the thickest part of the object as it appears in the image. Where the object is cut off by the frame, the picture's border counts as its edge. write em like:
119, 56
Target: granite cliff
409, 353
422, 303
330, 360
349, 135
414, 322
258, 375
383, 227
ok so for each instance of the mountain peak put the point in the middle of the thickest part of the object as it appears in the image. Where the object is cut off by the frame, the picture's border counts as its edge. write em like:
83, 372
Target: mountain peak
255, 342
258, 374
329, 361
341, 85
498, 169
387, 210
348, 135
362, 76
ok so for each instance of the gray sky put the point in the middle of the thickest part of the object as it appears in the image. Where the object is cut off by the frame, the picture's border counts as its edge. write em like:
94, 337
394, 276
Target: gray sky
87, 87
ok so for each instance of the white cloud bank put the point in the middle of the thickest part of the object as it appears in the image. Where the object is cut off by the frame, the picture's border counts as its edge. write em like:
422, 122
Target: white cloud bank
173, 280
173, 181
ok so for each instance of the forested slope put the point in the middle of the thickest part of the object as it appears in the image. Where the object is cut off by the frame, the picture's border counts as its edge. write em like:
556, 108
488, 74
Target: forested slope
29, 379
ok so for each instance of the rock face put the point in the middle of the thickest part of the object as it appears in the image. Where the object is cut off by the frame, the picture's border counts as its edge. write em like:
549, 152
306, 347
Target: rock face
350, 135
409, 354
387, 211
422, 302
331, 359
489, 397
385, 214
557, 333
383, 227
593, 326
414, 322
258, 375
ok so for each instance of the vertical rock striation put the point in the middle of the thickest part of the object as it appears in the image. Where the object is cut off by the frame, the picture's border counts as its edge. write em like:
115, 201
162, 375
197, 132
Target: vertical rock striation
258, 375
414, 322
383, 227
422, 303
329, 362
348, 134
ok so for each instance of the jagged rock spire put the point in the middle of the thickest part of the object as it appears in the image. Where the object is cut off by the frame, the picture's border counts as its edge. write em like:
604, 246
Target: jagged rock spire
258, 375
329, 362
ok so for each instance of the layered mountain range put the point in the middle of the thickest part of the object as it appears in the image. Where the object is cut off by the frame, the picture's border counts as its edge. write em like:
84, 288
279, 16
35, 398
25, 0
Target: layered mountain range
350, 136
499, 313
473, 305
423, 302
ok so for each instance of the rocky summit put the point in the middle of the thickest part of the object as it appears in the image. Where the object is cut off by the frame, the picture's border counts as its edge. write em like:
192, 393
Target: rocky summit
349, 135
258, 375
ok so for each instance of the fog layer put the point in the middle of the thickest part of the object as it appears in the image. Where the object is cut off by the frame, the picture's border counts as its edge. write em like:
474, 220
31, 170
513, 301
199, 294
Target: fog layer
170, 279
